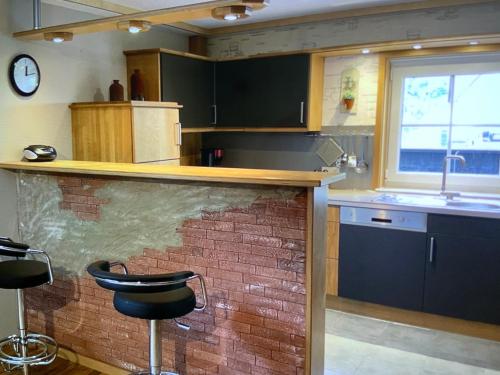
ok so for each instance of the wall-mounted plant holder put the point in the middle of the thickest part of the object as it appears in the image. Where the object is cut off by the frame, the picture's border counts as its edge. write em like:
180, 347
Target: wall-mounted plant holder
349, 83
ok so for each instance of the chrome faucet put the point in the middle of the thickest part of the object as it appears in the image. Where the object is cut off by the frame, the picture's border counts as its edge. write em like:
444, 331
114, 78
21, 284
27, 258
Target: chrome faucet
449, 194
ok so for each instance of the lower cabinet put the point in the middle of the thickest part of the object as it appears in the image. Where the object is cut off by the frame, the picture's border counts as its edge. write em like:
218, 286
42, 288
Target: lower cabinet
462, 275
452, 270
384, 266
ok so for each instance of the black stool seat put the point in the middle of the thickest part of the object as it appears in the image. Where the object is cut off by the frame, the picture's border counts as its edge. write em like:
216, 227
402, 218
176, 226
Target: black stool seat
156, 306
21, 274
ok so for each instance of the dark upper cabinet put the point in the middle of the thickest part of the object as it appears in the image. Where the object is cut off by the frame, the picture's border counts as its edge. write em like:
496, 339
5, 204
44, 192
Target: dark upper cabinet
189, 82
462, 272
263, 92
383, 266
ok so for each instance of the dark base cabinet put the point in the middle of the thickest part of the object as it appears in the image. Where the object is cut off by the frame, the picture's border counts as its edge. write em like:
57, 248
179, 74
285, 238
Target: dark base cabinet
462, 276
452, 270
383, 266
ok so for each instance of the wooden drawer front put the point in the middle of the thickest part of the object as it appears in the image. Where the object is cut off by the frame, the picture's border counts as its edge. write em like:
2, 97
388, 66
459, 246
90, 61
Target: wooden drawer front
332, 277
156, 134
332, 250
334, 214
102, 134
332, 240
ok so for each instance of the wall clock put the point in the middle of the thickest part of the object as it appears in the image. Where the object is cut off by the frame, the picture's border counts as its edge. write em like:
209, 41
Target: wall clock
24, 75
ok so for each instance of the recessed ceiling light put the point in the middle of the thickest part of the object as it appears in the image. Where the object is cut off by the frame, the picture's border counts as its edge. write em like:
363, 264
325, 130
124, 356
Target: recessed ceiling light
473, 42
134, 26
365, 51
58, 37
417, 46
231, 13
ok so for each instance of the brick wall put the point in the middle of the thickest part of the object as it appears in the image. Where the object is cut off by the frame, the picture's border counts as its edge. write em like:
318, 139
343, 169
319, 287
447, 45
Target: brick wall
253, 261
78, 195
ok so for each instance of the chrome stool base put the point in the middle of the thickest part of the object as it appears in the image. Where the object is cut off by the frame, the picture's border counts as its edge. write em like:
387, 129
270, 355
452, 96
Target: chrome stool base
24, 350
43, 349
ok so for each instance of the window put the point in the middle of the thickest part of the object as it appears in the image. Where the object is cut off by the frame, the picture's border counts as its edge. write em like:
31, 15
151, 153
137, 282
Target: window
445, 106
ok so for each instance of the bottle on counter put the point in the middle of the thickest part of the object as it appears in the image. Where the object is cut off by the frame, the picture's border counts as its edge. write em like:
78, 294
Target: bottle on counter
136, 86
116, 91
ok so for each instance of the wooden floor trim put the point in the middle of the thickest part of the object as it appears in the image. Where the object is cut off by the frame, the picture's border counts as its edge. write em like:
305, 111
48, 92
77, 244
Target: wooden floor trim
91, 363
415, 318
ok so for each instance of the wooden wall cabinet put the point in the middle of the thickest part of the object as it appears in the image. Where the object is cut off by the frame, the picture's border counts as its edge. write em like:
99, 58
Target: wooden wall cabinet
332, 252
126, 132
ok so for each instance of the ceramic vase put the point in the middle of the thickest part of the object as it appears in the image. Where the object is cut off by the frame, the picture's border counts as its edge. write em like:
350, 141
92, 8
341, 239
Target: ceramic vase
116, 91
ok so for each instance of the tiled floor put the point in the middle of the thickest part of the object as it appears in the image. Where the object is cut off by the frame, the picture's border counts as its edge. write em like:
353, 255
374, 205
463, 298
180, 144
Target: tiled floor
357, 345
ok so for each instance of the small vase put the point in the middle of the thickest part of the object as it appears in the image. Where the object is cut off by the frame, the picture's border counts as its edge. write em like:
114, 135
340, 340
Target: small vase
116, 91
136, 86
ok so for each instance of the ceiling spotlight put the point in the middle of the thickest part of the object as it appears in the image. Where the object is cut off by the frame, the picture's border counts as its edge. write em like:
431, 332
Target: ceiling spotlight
231, 13
473, 43
365, 51
417, 46
58, 37
134, 26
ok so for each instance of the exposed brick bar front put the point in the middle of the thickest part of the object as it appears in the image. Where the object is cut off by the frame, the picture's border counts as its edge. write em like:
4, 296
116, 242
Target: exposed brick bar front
253, 260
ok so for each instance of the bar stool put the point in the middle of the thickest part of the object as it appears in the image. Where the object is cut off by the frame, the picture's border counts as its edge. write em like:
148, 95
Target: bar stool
22, 350
150, 297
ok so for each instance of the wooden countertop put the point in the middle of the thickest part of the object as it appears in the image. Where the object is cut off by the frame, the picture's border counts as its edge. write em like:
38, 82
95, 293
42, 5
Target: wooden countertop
129, 103
162, 172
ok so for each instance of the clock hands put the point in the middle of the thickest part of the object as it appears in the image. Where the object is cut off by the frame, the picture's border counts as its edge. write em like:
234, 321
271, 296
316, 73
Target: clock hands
26, 71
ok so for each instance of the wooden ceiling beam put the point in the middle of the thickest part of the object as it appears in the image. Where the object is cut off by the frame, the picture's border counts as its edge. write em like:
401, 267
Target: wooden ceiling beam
121, 9
156, 17
359, 12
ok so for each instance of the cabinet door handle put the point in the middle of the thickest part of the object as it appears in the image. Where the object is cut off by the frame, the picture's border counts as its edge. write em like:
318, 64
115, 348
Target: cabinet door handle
301, 112
431, 250
214, 122
179, 133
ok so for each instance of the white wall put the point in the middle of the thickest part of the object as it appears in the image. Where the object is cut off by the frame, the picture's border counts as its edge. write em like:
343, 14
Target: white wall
70, 72
447, 21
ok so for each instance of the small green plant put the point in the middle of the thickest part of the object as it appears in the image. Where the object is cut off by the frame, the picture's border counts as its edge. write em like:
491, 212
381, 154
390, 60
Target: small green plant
348, 96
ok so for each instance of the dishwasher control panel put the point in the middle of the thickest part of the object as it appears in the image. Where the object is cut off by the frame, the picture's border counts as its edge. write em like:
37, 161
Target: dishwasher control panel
390, 219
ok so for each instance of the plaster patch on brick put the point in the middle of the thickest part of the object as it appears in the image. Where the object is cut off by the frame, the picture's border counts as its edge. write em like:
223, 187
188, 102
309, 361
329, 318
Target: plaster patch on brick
137, 215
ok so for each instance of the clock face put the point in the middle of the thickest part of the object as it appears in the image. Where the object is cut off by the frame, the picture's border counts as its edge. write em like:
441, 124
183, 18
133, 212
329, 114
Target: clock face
24, 75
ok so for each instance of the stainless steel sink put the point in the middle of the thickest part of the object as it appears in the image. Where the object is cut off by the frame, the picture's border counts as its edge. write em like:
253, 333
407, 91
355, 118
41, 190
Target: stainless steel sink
473, 205
437, 201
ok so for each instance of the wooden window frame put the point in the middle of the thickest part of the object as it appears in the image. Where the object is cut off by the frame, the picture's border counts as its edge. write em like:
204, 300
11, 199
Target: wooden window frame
381, 134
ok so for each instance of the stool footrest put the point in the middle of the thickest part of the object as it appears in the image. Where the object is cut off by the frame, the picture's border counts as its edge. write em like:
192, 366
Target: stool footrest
41, 350
149, 373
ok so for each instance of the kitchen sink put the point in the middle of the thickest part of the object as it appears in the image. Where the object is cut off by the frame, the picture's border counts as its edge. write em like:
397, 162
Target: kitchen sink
437, 201
473, 205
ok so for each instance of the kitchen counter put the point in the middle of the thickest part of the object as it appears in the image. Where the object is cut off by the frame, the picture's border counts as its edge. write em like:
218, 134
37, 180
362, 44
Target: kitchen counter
228, 175
257, 236
415, 203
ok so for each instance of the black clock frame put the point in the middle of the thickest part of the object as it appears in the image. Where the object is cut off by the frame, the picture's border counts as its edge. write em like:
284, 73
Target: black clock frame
12, 79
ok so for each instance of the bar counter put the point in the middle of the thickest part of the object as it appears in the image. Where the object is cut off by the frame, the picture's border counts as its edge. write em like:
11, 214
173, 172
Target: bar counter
257, 236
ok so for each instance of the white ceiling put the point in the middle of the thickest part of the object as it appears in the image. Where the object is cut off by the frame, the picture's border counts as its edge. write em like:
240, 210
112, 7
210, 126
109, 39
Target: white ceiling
276, 10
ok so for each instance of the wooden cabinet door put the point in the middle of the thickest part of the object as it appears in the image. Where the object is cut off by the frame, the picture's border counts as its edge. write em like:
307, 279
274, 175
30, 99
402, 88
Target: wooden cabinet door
233, 98
156, 134
102, 134
189, 82
462, 277
384, 266
263, 92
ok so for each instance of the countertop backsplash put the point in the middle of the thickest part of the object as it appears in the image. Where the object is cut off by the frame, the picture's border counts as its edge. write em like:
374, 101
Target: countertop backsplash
295, 151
